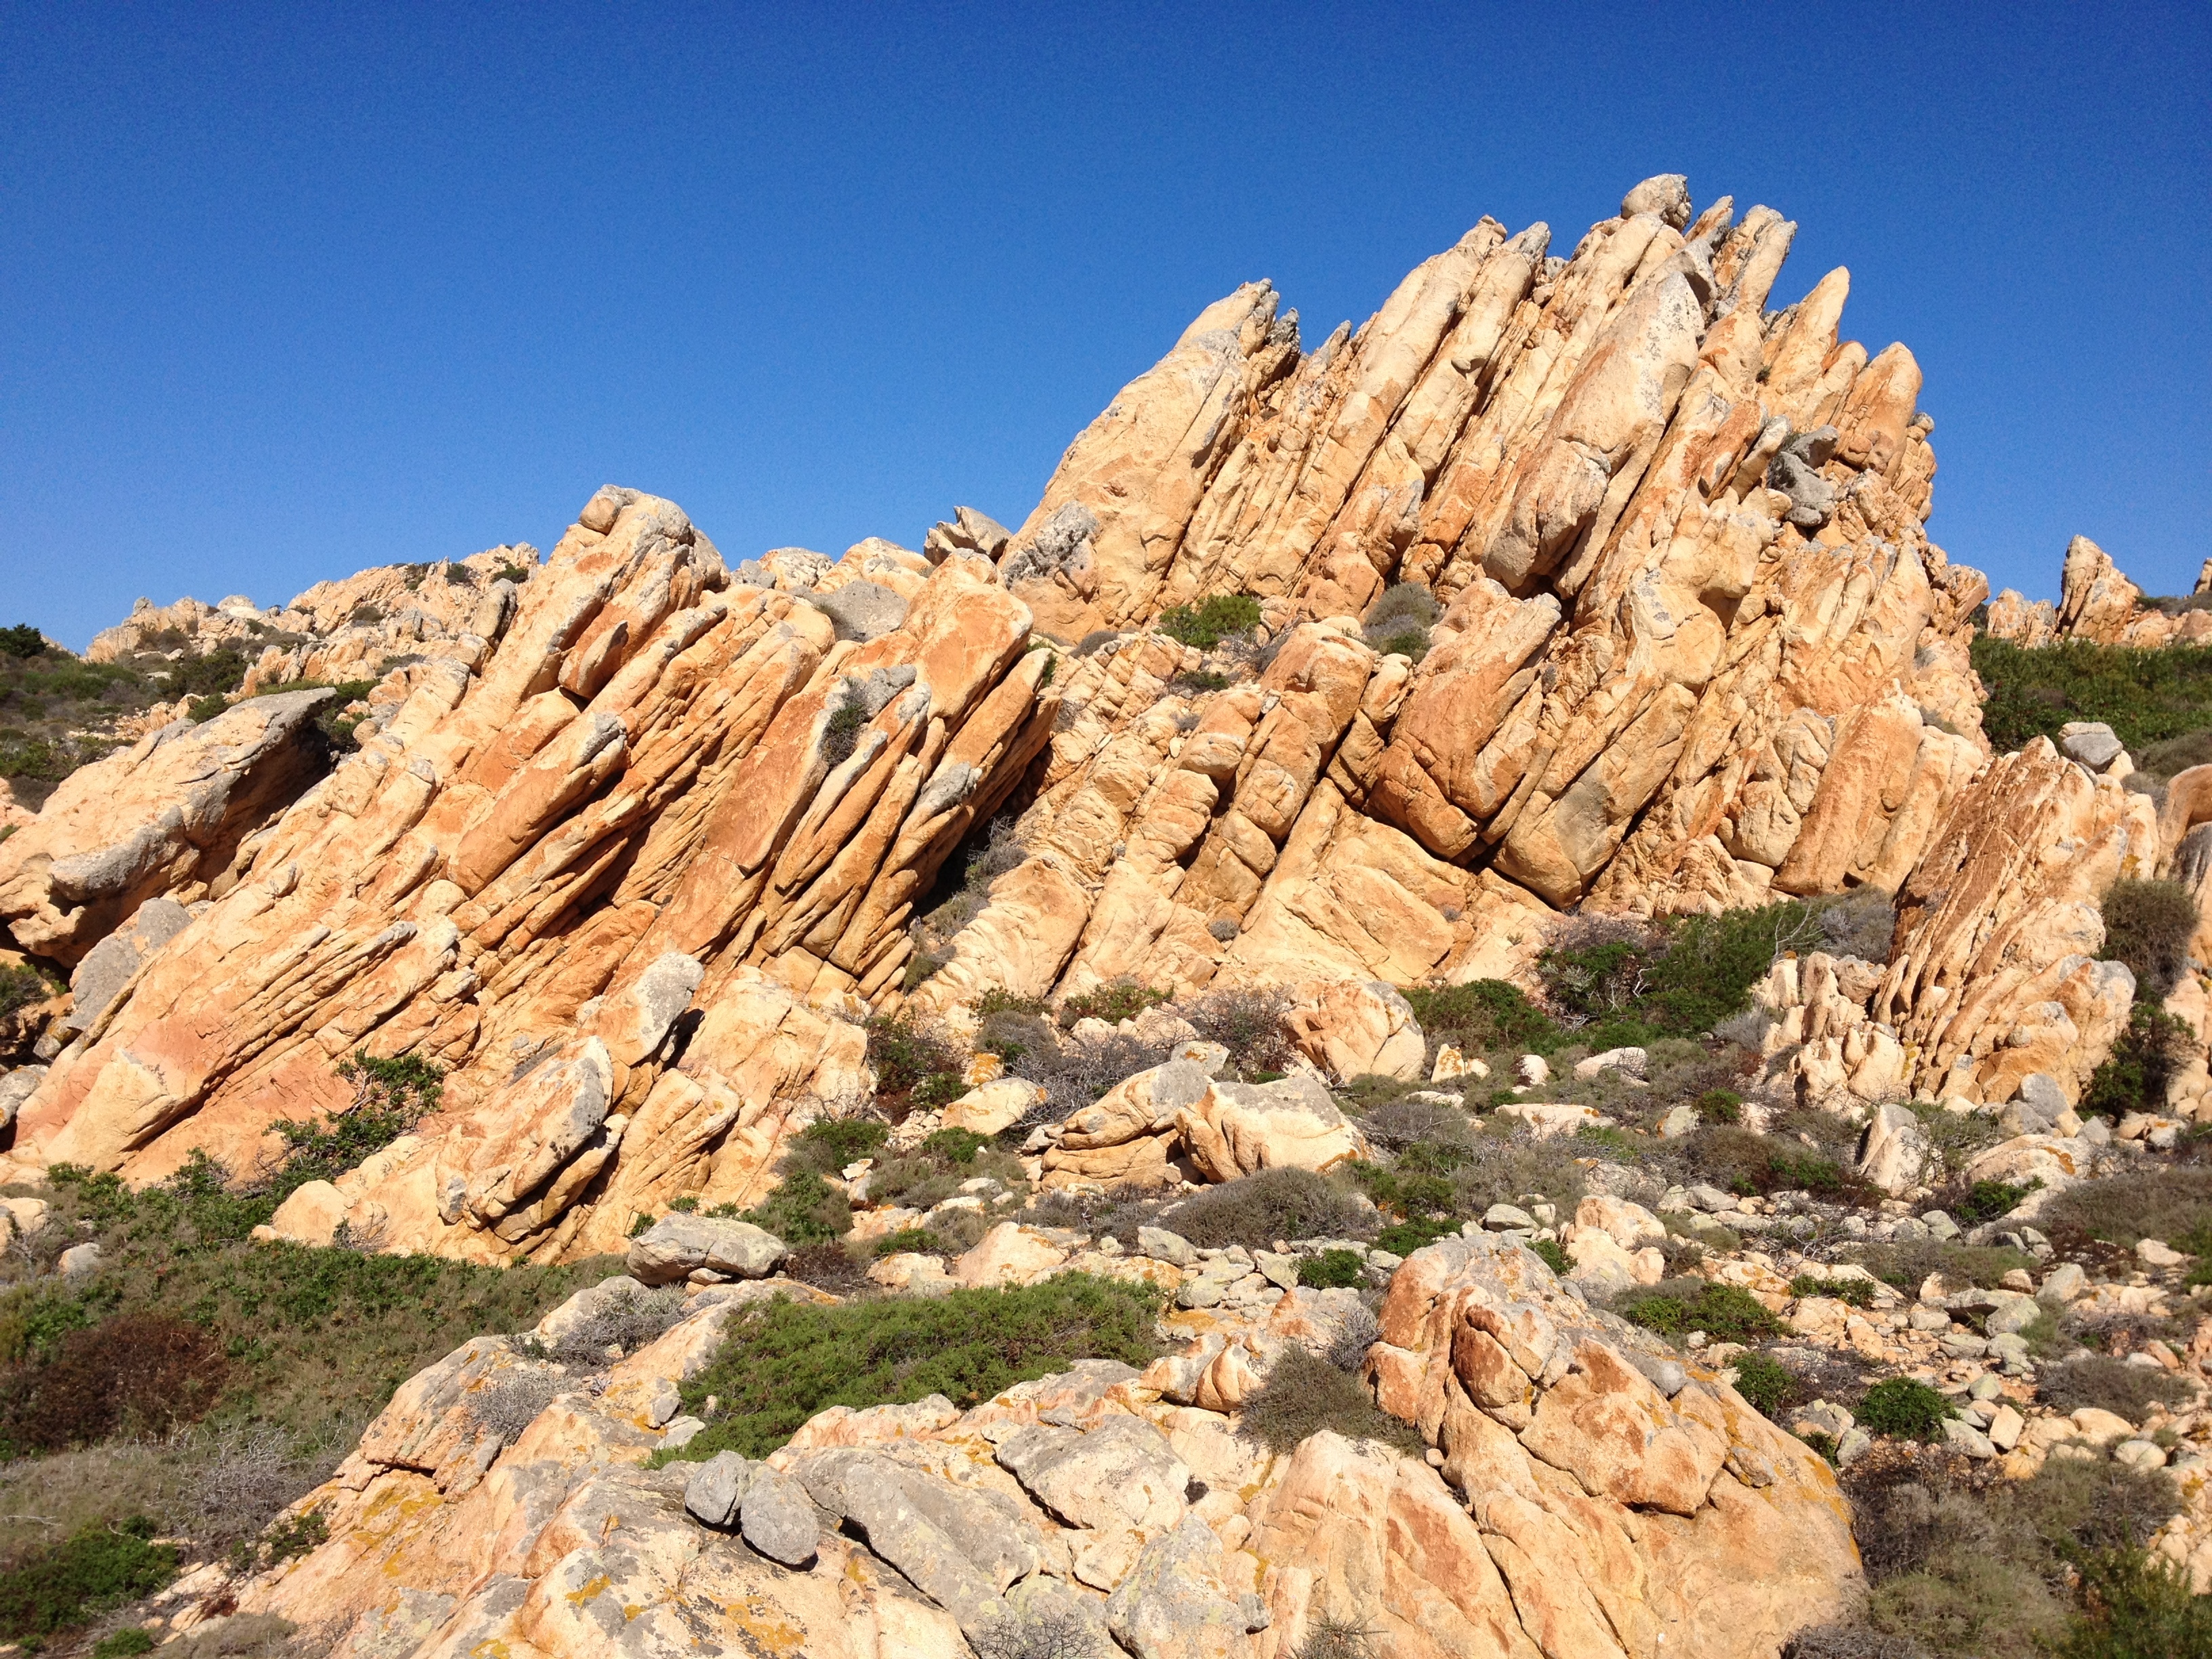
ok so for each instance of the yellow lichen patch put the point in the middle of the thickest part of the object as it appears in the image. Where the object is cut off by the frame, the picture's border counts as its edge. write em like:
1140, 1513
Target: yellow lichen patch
491, 1648
768, 1625
591, 1591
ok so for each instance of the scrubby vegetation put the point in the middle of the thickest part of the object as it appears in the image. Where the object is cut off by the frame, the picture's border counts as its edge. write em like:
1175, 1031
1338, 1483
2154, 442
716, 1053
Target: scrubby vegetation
1306, 1394
2147, 926
1400, 620
1207, 624
2147, 696
782, 1362
1963, 1567
96, 1568
1674, 1308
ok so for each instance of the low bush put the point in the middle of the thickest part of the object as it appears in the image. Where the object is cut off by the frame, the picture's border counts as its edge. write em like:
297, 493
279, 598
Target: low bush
137, 1373
1856, 1292
2173, 1204
1744, 1162
2144, 1059
1903, 1408
803, 1209
915, 1064
1674, 1308
2136, 1605
1400, 620
1764, 1383
21, 641
1985, 1200
1113, 1003
826, 1146
1304, 1395
1249, 1023
98, 1568
2148, 926
1333, 1269
21, 985
1482, 1016
1719, 1106
1554, 1256
1905, 1267
391, 1096
1206, 625
2109, 1384
782, 1362
1275, 1204
2147, 695
314, 1340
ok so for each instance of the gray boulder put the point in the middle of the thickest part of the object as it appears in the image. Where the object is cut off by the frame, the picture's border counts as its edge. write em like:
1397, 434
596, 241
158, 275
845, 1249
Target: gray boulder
861, 610
718, 1486
714, 1248
777, 1518
108, 966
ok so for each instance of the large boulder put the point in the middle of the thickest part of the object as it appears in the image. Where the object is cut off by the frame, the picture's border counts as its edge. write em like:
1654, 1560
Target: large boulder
1241, 1128
1350, 1030
704, 1248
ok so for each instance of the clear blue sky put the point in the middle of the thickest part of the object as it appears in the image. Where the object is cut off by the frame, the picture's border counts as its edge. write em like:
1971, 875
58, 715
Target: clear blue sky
289, 290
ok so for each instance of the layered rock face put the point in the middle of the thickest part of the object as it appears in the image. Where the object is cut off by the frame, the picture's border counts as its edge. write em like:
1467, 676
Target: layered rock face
1594, 1500
634, 848
2097, 603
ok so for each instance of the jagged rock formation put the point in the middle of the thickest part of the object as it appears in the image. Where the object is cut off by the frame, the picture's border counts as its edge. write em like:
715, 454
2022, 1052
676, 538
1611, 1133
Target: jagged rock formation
633, 849
2098, 604
1595, 1498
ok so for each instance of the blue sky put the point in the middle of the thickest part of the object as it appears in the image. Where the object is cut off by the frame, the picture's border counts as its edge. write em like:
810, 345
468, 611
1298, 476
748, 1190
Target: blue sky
287, 291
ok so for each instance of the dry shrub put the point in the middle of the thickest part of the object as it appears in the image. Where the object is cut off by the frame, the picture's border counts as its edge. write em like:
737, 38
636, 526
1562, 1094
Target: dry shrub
1304, 1395
512, 1402
138, 1373
2109, 1384
2147, 926
1247, 1023
1275, 1204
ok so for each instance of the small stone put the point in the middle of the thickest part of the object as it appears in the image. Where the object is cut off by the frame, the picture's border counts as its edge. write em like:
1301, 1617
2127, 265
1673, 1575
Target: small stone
2004, 1430
2156, 1253
1500, 1218
1631, 1061
680, 1432
1162, 1245
1984, 1387
2139, 1455
1681, 1121
1964, 1437
1853, 1445
1534, 1070
78, 1261
1280, 1270
2062, 1284
1204, 1291
1385, 1261
1939, 1224
777, 1519
717, 1486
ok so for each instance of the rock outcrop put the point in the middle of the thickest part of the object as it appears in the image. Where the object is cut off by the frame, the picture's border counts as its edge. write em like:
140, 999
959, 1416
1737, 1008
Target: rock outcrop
168, 816
2097, 603
634, 848
1594, 1498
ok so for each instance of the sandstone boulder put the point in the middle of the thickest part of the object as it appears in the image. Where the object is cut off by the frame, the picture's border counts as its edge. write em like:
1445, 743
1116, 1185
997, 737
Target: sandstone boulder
705, 1248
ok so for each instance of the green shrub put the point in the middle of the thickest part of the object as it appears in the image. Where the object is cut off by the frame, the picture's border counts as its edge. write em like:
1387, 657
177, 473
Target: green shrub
99, 1567
1905, 1267
842, 735
390, 1097
1856, 1292
1192, 682
955, 1145
997, 1001
1274, 1204
1673, 1308
1719, 1106
2147, 696
828, 1145
1985, 1200
1554, 1257
2138, 1606
201, 710
783, 1362
1903, 1409
803, 1209
21, 641
2148, 926
214, 673
22, 985
1483, 1015
1763, 1382
294, 1536
1333, 1269
1304, 1395
1113, 1003
909, 1055
121, 1643
1206, 625
1744, 1162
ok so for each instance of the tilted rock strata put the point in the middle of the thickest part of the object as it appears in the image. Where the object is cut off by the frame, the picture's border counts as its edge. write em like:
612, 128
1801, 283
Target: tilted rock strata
166, 816
1618, 1519
2097, 603
633, 852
